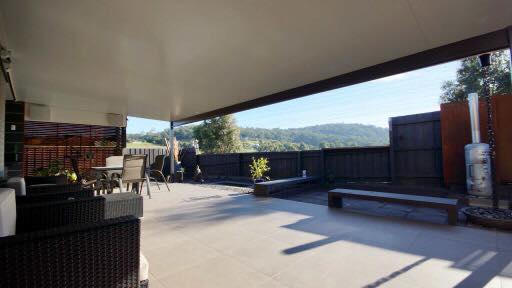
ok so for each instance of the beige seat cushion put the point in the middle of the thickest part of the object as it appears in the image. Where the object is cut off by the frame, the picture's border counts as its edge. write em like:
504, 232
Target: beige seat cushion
7, 212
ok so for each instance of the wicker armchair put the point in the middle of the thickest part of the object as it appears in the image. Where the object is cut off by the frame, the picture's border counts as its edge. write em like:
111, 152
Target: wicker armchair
45, 215
36, 190
101, 254
36, 180
56, 192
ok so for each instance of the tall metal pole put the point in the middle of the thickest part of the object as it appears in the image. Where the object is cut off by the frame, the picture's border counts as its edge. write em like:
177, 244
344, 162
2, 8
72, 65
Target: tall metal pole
171, 149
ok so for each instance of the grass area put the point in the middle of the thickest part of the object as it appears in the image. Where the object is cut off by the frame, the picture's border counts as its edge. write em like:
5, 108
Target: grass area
138, 144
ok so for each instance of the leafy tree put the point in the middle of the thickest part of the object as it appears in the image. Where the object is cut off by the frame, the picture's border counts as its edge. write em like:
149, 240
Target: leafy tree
218, 135
270, 146
469, 78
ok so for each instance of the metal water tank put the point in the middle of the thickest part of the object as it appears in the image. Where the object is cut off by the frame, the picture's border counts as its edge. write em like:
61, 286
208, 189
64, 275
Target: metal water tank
478, 157
478, 169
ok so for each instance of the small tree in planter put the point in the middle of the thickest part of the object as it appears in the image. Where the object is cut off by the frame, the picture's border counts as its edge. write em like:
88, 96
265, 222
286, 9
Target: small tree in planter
258, 169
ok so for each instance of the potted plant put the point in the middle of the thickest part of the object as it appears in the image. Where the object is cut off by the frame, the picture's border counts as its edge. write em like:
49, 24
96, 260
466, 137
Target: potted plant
258, 168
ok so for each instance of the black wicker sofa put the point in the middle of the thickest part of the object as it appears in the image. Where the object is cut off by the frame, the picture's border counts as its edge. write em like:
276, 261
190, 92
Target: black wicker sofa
64, 239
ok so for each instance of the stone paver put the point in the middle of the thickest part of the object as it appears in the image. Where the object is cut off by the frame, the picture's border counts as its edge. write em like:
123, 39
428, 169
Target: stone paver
199, 236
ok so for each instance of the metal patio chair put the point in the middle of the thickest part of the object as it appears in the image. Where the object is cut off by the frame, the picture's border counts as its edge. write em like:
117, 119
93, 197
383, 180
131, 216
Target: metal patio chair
134, 172
156, 171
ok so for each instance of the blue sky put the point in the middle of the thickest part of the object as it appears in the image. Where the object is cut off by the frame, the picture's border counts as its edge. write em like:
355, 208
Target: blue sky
367, 103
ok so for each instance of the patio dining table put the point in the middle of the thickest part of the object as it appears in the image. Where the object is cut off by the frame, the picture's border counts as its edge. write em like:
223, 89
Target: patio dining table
98, 171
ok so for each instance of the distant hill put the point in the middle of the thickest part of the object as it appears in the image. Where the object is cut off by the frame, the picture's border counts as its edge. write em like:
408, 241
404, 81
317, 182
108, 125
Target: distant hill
312, 137
326, 135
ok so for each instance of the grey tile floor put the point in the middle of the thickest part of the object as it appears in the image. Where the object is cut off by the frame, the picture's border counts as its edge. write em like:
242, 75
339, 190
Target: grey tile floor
199, 236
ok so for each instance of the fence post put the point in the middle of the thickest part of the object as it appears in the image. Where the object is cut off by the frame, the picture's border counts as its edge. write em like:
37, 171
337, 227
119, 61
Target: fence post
391, 153
240, 164
322, 166
299, 163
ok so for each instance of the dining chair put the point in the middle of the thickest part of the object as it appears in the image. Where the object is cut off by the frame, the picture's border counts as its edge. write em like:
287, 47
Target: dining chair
112, 175
134, 172
156, 171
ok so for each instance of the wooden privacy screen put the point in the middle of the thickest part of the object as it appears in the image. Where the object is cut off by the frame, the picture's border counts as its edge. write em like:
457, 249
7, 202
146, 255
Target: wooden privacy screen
416, 157
90, 144
456, 133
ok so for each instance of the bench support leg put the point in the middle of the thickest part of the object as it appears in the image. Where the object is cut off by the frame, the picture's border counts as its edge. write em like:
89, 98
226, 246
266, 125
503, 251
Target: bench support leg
335, 202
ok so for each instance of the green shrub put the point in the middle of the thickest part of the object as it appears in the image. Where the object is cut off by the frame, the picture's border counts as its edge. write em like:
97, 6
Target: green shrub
258, 169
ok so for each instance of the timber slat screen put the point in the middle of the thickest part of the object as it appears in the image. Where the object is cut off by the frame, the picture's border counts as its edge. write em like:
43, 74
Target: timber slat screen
89, 144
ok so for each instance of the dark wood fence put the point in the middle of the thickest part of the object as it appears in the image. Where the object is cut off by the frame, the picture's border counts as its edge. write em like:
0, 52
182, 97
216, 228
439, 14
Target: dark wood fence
338, 164
413, 158
416, 149
357, 164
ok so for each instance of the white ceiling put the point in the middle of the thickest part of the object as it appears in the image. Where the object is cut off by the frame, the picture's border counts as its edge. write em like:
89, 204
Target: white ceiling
170, 58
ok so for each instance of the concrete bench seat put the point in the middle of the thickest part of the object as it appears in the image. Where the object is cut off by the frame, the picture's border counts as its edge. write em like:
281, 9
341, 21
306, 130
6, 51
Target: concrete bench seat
269, 187
335, 199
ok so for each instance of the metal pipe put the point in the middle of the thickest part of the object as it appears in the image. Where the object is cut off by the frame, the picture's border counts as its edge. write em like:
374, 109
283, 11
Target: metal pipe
473, 116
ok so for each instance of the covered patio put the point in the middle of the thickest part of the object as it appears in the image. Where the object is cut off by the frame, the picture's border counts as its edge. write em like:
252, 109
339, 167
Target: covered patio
94, 63
200, 236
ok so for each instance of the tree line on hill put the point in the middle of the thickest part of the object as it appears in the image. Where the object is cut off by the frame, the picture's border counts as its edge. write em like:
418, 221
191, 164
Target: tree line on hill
222, 135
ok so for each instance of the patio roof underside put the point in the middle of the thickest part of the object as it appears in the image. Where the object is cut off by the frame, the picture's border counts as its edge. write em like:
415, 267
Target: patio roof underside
181, 60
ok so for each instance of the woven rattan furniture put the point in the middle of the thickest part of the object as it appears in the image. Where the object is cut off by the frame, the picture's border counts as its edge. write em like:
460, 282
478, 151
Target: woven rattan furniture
156, 171
45, 197
37, 180
45, 215
55, 192
101, 254
123, 204
41, 189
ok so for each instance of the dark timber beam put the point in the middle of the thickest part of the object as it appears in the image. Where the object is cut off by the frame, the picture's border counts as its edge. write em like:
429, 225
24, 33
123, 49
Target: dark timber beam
484, 43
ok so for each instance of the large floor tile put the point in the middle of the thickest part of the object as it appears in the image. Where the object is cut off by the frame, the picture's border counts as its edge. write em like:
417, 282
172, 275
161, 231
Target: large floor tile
217, 272
178, 257
267, 255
